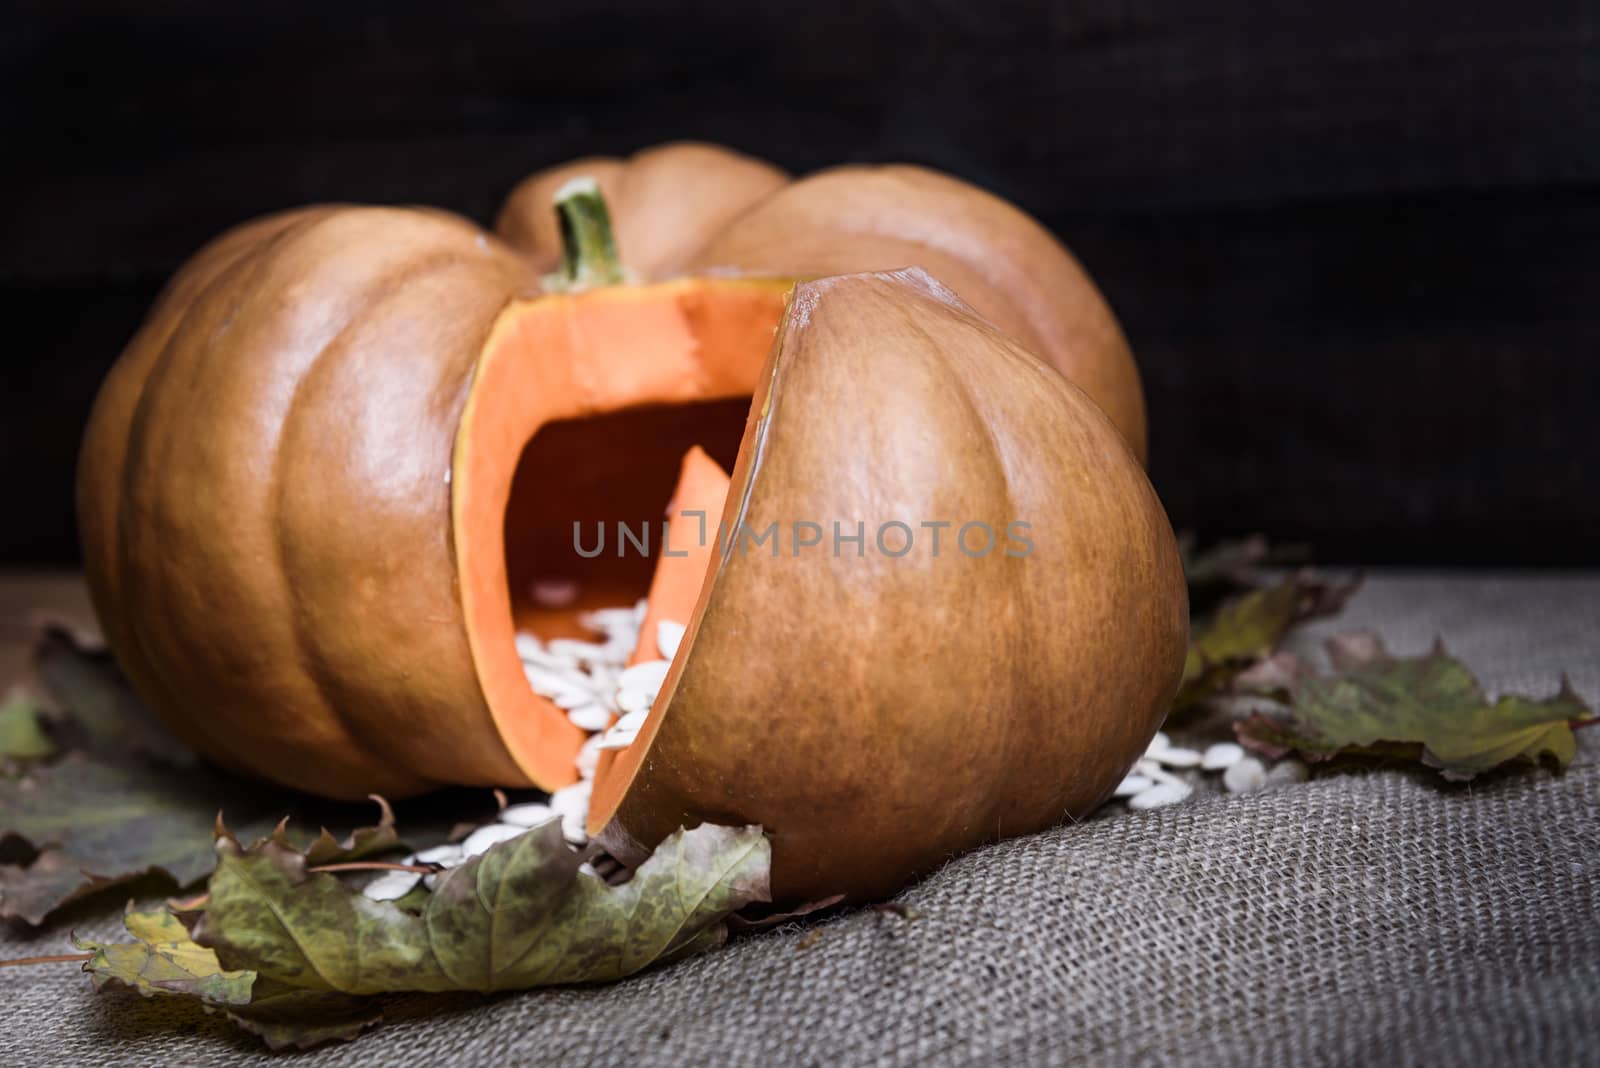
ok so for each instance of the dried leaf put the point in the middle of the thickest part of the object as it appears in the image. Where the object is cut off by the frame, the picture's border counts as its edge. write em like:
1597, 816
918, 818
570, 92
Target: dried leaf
22, 733
1250, 626
519, 915
1429, 708
96, 824
129, 800
164, 959
363, 842
105, 716
287, 1018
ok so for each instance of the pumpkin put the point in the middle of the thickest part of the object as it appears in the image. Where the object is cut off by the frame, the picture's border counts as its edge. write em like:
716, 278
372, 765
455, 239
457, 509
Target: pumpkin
318, 487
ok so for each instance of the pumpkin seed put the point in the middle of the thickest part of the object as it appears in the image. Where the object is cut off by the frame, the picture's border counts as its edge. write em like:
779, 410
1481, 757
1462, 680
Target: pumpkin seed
1176, 757
668, 636
481, 839
634, 699
648, 675
1245, 776
1221, 756
1132, 784
571, 803
581, 650
590, 717
1160, 795
527, 815
391, 885
588, 759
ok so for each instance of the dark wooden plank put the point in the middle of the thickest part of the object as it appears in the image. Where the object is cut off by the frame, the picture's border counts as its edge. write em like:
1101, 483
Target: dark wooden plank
135, 131
1356, 246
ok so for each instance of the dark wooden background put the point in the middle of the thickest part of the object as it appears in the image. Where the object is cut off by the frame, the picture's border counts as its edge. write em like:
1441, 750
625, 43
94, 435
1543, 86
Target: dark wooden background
1356, 245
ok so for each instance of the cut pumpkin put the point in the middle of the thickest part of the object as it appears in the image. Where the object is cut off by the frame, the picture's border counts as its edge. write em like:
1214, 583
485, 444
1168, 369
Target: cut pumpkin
320, 493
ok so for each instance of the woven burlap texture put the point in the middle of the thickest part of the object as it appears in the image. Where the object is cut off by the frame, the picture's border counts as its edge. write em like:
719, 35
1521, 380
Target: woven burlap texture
1361, 918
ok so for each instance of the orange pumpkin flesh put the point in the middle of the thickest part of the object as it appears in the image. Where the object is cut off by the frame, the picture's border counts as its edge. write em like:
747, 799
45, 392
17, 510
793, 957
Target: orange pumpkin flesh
578, 357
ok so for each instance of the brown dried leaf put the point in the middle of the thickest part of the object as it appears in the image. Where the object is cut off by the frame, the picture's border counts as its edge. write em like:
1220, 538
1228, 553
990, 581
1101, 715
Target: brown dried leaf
1429, 708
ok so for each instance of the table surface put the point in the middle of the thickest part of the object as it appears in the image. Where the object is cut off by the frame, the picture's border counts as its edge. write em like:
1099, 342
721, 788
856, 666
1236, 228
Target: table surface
1366, 916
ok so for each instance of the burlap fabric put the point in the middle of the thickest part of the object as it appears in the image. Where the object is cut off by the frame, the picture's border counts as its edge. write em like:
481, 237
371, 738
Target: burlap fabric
1361, 918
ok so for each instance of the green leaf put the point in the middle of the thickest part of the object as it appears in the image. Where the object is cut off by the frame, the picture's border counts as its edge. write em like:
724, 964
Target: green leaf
164, 959
22, 733
1429, 708
96, 824
287, 1018
105, 716
1248, 627
128, 800
520, 915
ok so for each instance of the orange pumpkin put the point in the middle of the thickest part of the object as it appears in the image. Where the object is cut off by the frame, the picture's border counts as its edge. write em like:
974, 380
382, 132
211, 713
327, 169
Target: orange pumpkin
318, 486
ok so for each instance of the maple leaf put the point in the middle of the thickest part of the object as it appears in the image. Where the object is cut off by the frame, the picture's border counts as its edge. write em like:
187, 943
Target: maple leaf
22, 732
521, 914
127, 800
1429, 708
164, 960
1248, 627
95, 824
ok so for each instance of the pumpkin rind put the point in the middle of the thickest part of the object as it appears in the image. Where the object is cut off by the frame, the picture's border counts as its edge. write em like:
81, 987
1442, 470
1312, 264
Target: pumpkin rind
994, 256
877, 714
264, 503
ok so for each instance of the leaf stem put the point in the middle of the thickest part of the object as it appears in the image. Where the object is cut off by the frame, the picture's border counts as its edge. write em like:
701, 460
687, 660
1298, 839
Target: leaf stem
378, 865
57, 958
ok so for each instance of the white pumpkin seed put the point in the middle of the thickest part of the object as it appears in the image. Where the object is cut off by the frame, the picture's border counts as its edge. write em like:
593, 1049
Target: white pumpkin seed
1133, 784
1289, 771
1157, 744
648, 675
527, 815
448, 855
1160, 795
567, 700
1246, 775
668, 636
549, 681
481, 839
1177, 757
1221, 756
634, 699
615, 739
588, 758
580, 650
391, 885
571, 803
590, 717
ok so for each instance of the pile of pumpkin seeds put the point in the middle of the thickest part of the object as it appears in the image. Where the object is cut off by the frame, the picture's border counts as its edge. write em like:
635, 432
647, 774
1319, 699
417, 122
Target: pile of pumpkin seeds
1154, 782
601, 694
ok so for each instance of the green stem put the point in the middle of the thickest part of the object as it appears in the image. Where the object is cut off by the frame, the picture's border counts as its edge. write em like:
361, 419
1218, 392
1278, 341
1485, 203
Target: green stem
588, 250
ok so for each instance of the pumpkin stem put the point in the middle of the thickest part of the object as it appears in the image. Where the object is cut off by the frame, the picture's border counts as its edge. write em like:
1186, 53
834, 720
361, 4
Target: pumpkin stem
588, 250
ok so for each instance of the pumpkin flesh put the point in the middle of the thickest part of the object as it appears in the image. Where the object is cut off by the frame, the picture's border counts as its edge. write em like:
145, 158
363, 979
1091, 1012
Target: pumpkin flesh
580, 407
